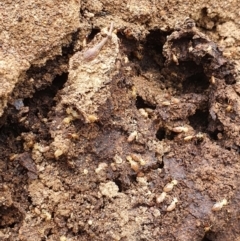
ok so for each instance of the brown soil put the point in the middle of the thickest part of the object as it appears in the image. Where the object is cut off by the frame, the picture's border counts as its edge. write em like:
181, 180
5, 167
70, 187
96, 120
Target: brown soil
87, 147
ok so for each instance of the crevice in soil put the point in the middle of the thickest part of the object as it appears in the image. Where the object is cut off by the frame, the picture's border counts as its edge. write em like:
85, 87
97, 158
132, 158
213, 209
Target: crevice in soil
206, 239
141, 103
162, 134
195, 83
199, 121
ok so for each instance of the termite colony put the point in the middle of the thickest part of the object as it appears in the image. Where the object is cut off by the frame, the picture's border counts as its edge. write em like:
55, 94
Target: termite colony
167, 189
184, 132
170, 101
136, 162
187, 133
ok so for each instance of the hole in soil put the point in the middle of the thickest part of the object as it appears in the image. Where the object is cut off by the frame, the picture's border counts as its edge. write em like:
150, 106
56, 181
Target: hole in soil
42, 100
230, 80
204, 11
152, 50
146, 54
12, 225
128, 46
196, 83
59, 81
161, 165
141, 103
29, 199
10, 131
119, 184
57, 84
161, 134
199, 121
205, 239
216, 135
9, 217
92, 34
72, 197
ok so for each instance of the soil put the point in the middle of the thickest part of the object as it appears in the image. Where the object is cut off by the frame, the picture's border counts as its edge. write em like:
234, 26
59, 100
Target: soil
88, 147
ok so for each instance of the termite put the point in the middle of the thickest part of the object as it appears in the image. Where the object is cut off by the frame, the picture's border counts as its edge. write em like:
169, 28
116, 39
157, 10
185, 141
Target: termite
161, 197
132, 136
218, 205
172, 205
180, 129
169, 186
